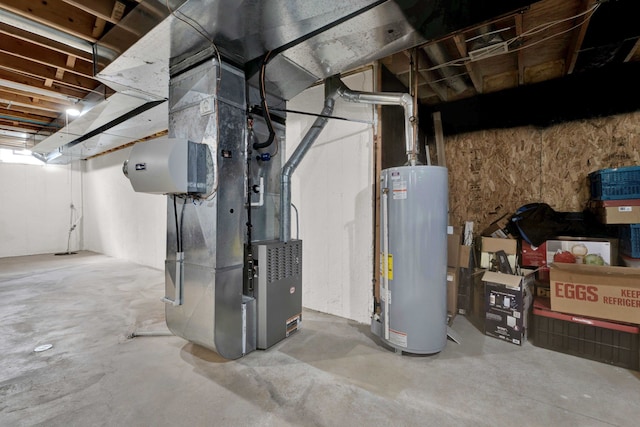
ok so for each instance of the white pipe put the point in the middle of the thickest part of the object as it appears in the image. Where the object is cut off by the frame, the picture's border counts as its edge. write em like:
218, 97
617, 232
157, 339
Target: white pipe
385, 259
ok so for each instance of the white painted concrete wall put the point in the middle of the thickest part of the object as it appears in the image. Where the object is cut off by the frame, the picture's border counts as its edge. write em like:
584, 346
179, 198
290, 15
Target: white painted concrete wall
118, 221
35, 208
333, 191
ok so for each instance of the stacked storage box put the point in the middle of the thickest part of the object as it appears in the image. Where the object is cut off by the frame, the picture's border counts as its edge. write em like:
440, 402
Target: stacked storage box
615, 199
594, 310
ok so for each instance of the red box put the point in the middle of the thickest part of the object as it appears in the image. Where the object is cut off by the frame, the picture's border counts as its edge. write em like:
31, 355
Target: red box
533, 256
542, 274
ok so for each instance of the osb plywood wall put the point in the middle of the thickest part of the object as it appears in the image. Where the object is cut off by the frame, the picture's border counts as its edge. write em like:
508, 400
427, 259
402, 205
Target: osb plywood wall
494, 172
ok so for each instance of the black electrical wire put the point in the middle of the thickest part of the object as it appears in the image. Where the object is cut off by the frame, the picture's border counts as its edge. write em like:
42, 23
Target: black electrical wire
179, 240
306, 113
249, 246
265, 107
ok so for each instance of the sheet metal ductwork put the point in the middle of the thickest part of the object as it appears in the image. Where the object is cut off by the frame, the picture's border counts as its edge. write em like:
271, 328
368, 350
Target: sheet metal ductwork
233, 274
307, 42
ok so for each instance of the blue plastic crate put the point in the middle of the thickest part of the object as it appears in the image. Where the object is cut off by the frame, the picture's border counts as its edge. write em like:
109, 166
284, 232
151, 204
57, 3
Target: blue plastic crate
615, 183
630, 240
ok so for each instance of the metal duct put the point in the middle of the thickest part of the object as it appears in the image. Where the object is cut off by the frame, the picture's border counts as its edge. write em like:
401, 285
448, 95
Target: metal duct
404, 100
437, 55
335, 87
331, 88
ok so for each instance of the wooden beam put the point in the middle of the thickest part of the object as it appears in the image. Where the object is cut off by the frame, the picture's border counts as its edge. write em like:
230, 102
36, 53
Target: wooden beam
633, 51
26, 109
30, 68
40, 83
98, 28
431, 77
71, 62
578, 37
520, 52
19, 116
439, 136
20, 126
38, 54
107, 10
23, 95
56, 14
35, 39
472, 70
377, 162
23, 99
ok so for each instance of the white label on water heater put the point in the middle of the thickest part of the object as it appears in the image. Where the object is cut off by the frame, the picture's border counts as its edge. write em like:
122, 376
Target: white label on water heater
398, 338
400, 190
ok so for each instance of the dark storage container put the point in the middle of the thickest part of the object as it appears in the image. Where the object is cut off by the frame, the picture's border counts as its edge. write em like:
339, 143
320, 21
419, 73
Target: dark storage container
615, 183
601, 340
630, 240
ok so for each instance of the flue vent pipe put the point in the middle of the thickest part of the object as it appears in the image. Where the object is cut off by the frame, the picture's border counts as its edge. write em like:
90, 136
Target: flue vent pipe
333, 88
389, 98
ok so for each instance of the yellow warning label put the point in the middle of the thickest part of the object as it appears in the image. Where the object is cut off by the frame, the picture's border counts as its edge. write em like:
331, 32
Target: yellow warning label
390, 267
386, 268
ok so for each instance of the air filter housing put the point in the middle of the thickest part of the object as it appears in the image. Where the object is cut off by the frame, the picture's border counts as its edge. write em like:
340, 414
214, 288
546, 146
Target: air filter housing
169, 166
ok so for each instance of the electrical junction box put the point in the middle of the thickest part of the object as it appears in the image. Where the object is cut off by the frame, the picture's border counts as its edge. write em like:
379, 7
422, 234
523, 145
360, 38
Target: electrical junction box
169, 166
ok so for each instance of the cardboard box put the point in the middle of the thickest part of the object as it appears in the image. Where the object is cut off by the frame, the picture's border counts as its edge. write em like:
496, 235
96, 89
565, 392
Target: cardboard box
580, 247
453, 248
533, 256
611, 293
491, 245
466, 254
507, 302
452, 291
542, 274
497, 228
616, 211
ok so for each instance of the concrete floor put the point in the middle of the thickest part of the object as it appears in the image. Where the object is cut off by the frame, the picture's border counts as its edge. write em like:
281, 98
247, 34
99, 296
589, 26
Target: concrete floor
333, 372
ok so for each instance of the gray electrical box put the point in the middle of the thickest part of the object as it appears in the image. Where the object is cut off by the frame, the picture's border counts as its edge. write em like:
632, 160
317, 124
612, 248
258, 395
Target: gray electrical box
278, 291
169, 166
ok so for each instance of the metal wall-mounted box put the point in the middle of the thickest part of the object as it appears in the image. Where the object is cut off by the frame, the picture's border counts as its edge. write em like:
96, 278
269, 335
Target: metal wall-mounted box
168, 166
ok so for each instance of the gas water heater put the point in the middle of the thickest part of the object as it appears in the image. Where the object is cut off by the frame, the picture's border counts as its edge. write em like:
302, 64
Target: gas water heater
413, 293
